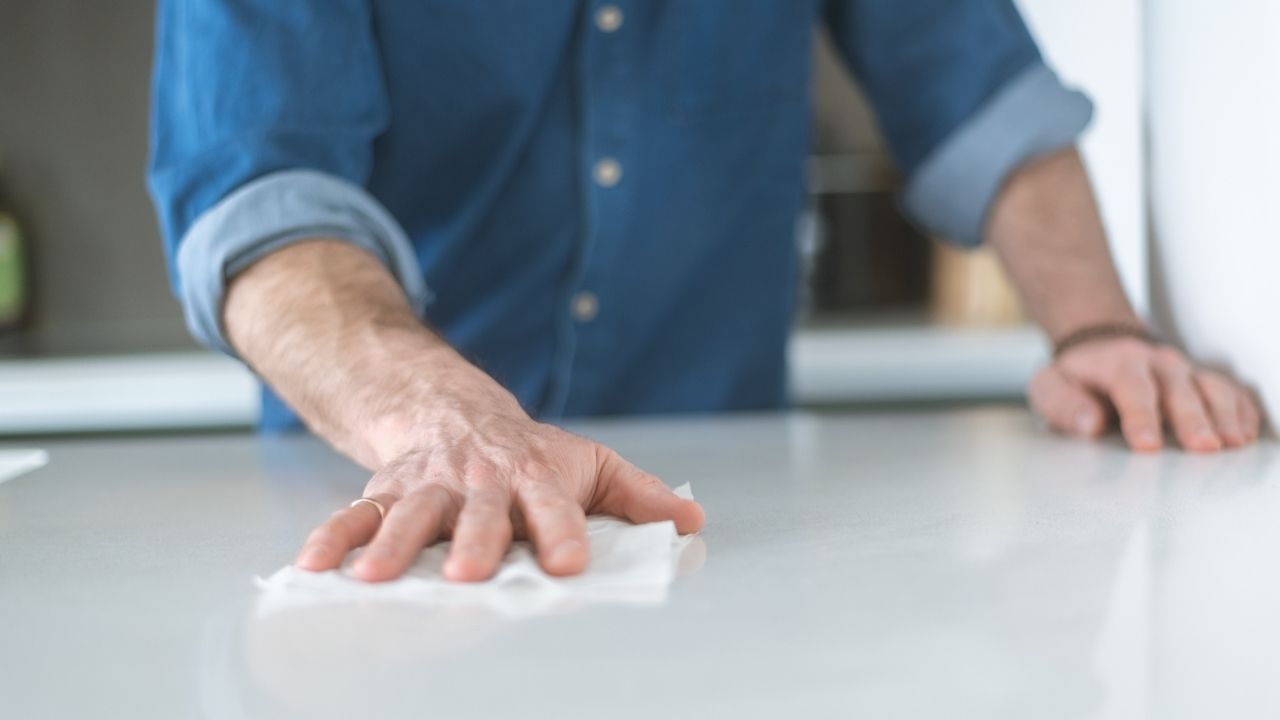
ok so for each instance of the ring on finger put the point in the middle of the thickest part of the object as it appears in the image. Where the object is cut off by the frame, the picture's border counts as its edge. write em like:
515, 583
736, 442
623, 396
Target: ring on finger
382, 511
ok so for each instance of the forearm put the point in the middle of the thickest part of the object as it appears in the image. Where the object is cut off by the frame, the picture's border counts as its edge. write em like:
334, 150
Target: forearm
1047, 230
453, 453
329, 329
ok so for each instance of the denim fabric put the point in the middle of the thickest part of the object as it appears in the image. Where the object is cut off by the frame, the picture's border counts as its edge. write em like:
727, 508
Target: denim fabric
477, 128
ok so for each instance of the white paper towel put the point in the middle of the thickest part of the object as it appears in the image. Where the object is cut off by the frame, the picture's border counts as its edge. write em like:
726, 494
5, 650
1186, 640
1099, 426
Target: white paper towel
16, 462
631, 564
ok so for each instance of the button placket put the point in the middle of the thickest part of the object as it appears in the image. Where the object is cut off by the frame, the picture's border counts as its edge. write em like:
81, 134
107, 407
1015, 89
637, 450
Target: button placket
607, 108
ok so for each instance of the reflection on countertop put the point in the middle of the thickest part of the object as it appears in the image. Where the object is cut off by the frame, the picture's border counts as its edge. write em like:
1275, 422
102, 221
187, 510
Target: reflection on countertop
892, 564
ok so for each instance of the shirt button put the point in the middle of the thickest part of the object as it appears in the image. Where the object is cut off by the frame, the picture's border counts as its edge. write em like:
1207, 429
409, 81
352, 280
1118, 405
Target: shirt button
585, 306
609, 18
608, 172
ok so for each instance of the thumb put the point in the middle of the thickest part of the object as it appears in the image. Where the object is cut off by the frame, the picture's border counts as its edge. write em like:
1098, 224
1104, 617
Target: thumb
624, 490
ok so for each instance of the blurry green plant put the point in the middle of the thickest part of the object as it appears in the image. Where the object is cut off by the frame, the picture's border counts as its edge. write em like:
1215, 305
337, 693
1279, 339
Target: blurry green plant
13, 291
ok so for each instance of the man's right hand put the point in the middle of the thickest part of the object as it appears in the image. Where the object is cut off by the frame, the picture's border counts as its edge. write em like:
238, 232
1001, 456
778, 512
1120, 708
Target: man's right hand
484, 478
454, 455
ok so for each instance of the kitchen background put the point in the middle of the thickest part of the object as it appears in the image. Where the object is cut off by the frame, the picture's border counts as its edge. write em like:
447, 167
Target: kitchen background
890, 316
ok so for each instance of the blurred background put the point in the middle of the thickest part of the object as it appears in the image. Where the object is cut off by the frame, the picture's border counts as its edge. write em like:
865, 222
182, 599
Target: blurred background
92, 340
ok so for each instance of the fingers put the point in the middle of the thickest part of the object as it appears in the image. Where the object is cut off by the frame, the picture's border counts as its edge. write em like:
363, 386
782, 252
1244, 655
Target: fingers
1250, 417
1149, 388
411, 524
557, 526
482, 535
1222, 399
631, 493
344, 531
1067, 406
1183, 405
1134, 393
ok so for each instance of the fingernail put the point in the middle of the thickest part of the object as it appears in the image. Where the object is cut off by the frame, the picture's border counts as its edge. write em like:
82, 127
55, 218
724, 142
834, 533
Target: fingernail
1084, 422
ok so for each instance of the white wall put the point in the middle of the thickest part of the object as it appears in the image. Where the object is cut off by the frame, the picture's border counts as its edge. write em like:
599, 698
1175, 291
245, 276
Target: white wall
1214, 93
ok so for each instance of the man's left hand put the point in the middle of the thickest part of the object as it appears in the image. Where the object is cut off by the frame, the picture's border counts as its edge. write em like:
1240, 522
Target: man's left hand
1147, 387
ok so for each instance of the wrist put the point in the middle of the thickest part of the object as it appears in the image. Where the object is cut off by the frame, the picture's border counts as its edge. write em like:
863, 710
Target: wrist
432, 394
1098, 332
1064, 325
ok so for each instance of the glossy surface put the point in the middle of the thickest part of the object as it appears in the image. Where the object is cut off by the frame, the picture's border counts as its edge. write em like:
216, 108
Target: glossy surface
958, 564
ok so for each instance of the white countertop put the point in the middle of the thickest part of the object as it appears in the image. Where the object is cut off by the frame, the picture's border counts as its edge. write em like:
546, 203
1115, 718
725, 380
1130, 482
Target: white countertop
959, 565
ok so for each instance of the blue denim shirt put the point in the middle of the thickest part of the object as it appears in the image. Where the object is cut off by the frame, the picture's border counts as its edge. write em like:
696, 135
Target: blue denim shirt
594, 201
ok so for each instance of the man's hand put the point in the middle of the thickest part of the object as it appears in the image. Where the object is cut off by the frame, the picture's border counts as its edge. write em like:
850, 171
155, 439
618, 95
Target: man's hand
1046, 228
484, 478
453, 454
1147, 387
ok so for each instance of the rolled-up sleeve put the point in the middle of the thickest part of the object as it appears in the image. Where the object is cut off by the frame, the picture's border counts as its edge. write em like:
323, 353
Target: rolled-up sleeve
963, 98
264, 116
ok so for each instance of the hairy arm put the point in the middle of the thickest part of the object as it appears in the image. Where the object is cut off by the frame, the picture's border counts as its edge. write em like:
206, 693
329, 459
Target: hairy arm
453, 453
1047, 230
1046, 227
326, 325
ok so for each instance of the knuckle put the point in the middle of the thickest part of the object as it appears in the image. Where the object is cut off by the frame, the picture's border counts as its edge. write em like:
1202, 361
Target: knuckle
1212, 382
544, 503
428, 497
1131, 350
1167, 354
484, 503
481, 474
389, 544
1134, 370
532, 468
647, 482
385, 485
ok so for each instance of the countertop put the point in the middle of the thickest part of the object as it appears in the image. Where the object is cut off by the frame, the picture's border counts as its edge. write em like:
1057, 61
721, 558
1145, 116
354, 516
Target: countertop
959, 564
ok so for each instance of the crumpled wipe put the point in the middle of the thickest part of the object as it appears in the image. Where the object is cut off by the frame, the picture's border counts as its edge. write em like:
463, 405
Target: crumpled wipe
630, 564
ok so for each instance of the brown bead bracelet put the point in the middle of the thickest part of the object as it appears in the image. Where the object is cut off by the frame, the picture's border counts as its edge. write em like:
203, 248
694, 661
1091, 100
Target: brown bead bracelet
1104, 331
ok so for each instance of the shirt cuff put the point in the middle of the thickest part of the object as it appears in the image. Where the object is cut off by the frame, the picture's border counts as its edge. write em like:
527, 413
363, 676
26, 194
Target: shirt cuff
1033, 114
270, 213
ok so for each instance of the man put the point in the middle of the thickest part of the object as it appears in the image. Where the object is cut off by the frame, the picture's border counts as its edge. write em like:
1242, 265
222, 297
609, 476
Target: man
591, 206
